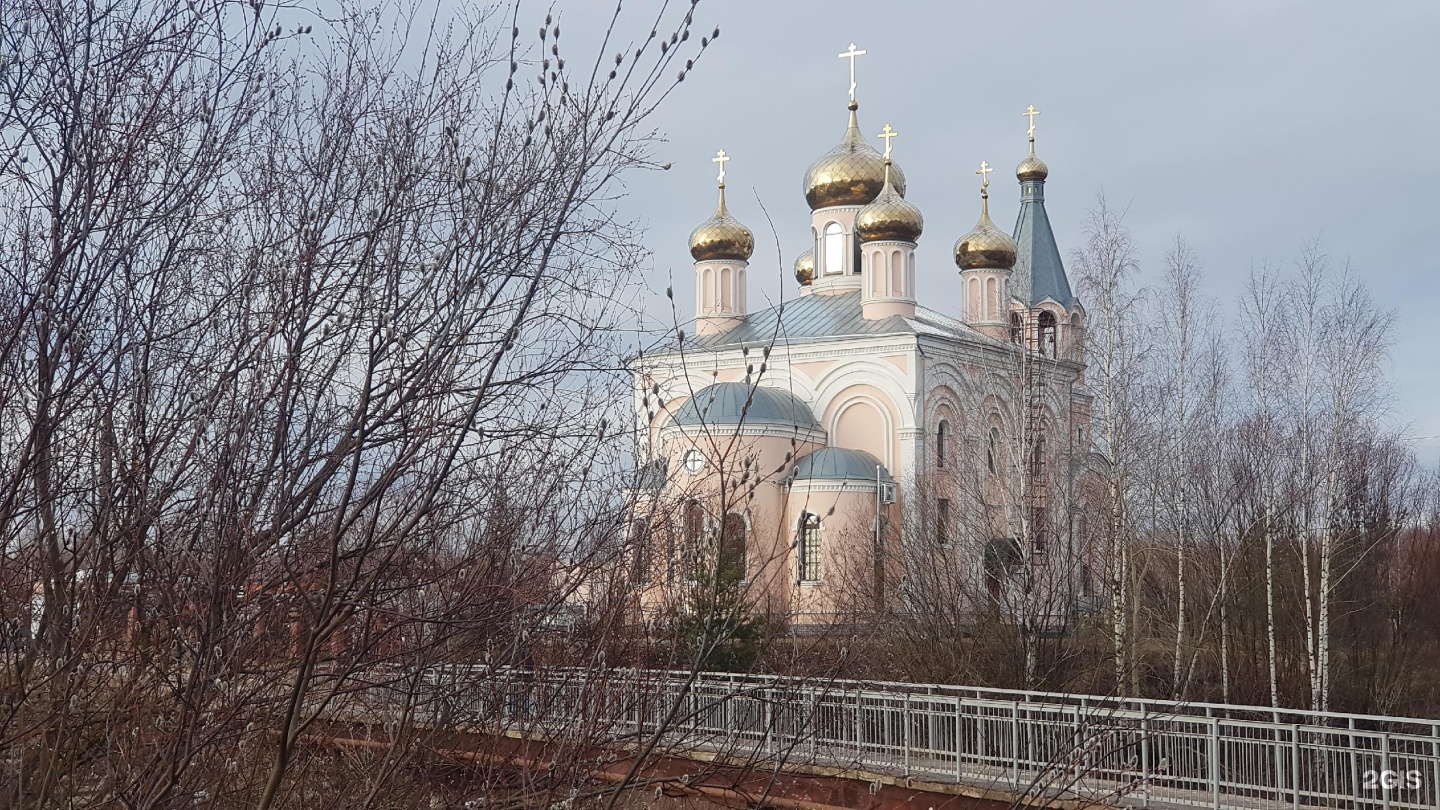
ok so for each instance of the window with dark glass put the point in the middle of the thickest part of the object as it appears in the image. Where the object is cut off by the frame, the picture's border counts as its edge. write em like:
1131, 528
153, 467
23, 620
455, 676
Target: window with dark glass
640, 551
1048, 344
941, 432
732, 549
693, 533
809, 547
942, 521
992, 450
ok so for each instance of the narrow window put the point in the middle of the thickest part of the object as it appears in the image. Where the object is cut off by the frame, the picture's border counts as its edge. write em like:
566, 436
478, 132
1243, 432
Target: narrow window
1017, 329
941, 434
834, 249
1037, 464
942, 521
1047, 334
1040, 528
809, 547
732, 549
992, 449
694, 528
640, 551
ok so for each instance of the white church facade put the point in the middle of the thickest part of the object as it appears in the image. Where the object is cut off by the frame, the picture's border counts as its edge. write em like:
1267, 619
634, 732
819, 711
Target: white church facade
823, 453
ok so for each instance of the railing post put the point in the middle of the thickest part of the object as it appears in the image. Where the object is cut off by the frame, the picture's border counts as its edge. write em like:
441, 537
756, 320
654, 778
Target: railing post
1145, 754
1384, 767
958, 701
1435, 760
1354, 769
1214, 762
768, 741
905, 718
858, 746
1295, 764
1015, 742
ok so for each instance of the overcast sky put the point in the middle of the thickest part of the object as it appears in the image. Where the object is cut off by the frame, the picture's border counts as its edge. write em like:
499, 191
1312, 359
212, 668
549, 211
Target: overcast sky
1248, 127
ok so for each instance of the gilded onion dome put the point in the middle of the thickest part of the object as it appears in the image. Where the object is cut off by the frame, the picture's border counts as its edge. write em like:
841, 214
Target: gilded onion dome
985, 246
889, 216
850, 174
1032, 168
805, 268
721, 236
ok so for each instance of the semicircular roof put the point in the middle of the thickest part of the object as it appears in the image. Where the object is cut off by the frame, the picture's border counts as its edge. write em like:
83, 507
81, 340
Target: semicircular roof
735, 403
840, 464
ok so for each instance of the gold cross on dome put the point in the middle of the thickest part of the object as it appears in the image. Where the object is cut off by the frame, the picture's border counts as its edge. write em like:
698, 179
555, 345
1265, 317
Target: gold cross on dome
1031, 112
851, 54
984, 172
720, 158
887, 134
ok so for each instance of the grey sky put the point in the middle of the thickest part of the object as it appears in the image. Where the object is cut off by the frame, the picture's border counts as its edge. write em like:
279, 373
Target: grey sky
1248, 127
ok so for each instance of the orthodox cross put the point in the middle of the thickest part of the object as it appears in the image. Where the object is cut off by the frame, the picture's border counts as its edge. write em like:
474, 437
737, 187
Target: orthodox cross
887, 134
851, 54
984, 172
720, 158
1031, 112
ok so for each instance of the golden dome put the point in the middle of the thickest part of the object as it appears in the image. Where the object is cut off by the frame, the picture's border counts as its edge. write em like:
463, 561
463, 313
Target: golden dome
850, 174
805, 268
889, 217
1032, 168
721, 237
985, 246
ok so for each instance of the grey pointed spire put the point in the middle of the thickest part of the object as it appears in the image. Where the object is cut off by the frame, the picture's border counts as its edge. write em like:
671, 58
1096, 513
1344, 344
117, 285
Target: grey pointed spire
1039, 272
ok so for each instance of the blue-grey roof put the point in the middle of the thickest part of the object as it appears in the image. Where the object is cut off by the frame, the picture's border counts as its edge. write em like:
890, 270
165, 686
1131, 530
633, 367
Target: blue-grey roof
1039, 273
652, 474
818, 317
839, 464
735, 403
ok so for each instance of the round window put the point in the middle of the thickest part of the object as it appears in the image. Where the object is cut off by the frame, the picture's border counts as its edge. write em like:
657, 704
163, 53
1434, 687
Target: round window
694, 461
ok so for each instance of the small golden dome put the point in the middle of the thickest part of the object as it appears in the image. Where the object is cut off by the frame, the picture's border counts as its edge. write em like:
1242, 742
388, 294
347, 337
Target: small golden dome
721, 237
889, 217
805, 268
985, 246
1032, 168
850, 174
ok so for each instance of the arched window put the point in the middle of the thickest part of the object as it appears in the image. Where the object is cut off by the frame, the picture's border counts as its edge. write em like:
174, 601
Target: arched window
1047, 334
732, 549
992, 450
942, 521
973, 305
640, 551
693, 533
1017, 329
809, 543
992, 307
833, 249
941, 435
727, 300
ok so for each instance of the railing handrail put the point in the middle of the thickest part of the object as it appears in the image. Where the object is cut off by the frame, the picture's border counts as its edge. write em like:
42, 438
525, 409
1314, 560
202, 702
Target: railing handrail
1155, 705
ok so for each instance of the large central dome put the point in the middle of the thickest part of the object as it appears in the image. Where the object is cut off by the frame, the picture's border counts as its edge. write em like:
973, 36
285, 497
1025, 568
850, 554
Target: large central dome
850, 174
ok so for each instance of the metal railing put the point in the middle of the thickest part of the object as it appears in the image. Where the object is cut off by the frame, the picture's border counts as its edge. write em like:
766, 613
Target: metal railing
1121, 751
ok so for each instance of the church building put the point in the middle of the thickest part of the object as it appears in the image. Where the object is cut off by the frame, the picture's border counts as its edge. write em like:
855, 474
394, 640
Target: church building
853, 449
